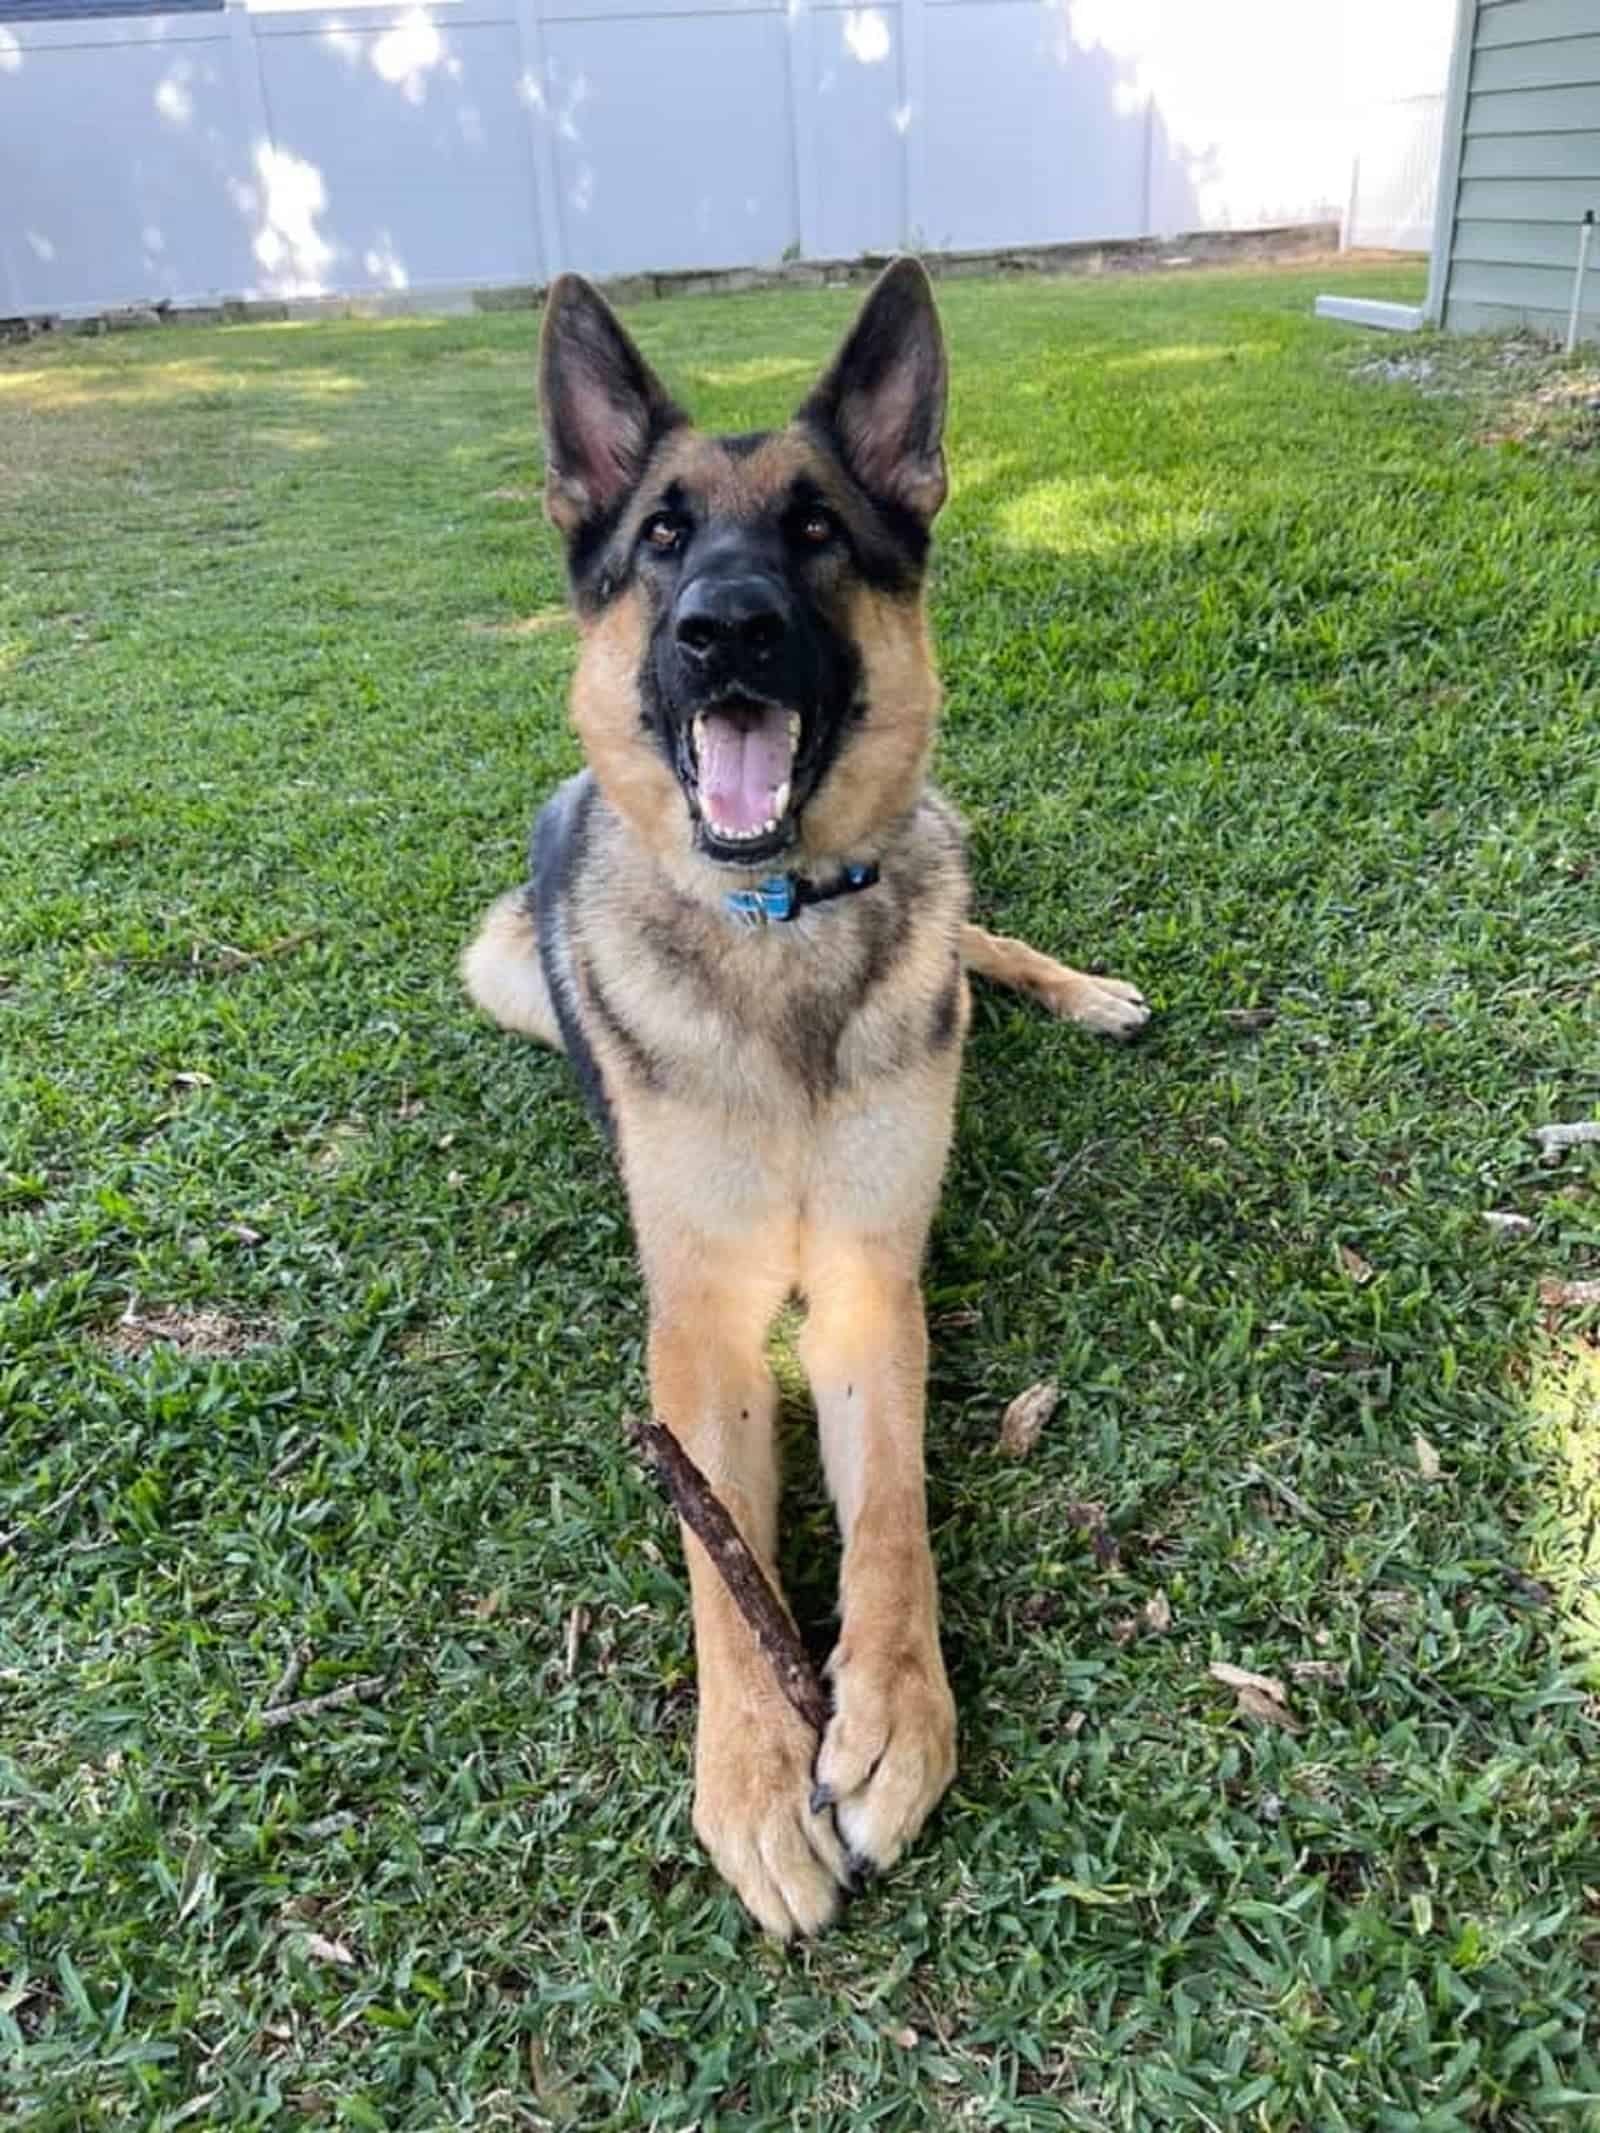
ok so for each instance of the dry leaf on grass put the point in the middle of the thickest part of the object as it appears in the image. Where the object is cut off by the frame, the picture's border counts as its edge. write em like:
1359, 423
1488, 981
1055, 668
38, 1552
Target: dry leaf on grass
1267, 1709
1259, 1696
1360, 1270
1329, 1670
1090, 1518
1568, 1295
199, 1878
1554, 1141
1506, 1223
1026, 1417
1427, 1458
322, 1950
1158, 1612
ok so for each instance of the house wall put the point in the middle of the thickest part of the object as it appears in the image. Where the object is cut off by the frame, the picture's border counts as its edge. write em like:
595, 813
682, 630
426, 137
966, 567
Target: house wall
460, 144
1529, 167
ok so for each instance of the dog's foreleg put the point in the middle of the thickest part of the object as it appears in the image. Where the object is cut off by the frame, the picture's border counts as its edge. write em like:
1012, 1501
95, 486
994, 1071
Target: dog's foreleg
889, 1752
1108, 1005
712, 1302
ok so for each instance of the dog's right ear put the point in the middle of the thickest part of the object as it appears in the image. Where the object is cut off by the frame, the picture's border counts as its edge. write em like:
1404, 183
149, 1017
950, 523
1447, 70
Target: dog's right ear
604, 408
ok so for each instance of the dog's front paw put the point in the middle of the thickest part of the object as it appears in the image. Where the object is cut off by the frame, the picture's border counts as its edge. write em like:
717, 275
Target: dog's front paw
890, 1748
1109, 1006
753, 1813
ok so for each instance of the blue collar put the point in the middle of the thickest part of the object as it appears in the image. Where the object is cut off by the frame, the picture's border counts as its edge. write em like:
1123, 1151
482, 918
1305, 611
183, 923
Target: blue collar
780, 897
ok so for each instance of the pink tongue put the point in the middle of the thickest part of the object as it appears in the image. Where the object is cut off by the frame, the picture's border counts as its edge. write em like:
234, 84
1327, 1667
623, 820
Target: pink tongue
744, 757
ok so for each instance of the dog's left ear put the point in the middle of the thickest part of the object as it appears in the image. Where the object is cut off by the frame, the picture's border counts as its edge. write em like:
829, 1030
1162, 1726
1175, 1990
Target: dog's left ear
604, 408
881, 403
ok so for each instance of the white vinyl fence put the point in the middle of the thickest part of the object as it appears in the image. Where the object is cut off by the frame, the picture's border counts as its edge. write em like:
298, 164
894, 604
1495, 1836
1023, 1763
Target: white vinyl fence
1398, 120
461, 144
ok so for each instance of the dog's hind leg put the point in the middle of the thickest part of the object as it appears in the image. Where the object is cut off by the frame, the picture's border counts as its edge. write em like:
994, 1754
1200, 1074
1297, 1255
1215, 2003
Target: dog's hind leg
1108, 1005
502, 973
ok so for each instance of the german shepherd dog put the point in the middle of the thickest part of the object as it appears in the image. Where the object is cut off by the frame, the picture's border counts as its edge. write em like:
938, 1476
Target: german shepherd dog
747, 929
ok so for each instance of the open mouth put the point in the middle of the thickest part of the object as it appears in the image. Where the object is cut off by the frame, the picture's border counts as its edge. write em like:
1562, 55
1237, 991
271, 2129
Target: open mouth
743, 777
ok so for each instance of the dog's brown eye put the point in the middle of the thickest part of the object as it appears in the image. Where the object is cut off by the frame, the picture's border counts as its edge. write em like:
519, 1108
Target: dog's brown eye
664, 532
816, 527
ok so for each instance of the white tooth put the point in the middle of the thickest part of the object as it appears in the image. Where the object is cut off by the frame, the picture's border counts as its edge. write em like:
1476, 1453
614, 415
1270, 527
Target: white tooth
794, 729
780, 799
698, 729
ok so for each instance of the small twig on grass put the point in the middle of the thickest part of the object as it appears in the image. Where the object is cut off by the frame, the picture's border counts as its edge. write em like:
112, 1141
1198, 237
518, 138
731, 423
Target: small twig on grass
285, 1714
577, 1625
229, 958
695, 1502
1082, 1158
1258, 1477
32, 1523
298, 1450
289, 1680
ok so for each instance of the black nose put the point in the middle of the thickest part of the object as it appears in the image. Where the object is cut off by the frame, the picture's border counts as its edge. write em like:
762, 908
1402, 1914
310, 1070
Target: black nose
721, 617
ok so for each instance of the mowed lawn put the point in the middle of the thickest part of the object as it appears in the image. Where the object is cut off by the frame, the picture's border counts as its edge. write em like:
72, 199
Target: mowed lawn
1271, 685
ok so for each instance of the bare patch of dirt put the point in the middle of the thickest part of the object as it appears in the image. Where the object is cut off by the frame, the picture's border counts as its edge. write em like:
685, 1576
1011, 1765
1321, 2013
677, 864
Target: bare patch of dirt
206, 1333
1516, 388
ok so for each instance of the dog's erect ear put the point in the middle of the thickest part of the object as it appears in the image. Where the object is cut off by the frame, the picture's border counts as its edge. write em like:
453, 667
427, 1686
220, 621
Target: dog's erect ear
604, 408
881, 403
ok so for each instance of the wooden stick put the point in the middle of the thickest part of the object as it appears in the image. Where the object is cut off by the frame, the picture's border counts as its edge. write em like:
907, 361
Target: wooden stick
285, 1714
695, 1502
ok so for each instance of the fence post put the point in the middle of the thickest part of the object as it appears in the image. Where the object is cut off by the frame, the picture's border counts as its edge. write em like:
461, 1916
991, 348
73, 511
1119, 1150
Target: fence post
801, 63
245, 52
914, 29
534, 94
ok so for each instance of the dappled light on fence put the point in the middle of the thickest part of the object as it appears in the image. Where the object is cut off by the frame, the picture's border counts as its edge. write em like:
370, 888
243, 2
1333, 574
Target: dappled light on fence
292, 252
289, 151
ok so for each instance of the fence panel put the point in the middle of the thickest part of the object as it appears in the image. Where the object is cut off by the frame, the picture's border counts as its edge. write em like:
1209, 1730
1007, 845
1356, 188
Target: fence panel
281, 150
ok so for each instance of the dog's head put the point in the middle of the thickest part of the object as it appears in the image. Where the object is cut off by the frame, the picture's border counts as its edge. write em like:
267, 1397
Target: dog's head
754, 677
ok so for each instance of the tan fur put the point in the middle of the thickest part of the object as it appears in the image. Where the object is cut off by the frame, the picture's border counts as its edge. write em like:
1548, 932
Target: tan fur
500, 969
782, 1102
1109, 1005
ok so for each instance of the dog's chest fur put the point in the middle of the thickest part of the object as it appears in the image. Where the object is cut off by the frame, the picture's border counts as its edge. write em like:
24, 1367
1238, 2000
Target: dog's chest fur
677, 998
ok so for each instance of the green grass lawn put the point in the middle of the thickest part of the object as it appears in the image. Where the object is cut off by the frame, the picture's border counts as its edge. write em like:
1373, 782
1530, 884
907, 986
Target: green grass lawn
1272, 687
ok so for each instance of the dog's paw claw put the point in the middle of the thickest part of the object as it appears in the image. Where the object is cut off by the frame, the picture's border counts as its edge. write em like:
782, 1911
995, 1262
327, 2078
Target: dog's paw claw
756, 1813
1109, 1006
889, 1752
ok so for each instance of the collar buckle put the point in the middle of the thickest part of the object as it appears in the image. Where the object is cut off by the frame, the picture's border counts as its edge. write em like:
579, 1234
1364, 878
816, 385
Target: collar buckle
770, 903
780, 897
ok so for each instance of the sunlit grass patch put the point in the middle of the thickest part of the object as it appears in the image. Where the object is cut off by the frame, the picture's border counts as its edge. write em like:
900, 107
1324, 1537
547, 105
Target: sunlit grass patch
1564, 1403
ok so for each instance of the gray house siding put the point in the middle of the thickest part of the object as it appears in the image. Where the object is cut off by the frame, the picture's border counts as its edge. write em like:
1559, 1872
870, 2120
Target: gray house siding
1529, 167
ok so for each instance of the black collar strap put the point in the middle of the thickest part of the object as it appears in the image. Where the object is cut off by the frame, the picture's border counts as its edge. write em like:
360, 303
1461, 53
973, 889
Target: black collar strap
780, 897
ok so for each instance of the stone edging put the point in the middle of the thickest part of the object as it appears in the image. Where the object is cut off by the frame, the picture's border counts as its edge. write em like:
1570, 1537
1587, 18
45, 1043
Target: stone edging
1137, 255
